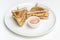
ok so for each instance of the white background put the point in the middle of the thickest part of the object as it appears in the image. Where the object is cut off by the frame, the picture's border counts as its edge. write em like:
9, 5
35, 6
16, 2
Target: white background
5, 34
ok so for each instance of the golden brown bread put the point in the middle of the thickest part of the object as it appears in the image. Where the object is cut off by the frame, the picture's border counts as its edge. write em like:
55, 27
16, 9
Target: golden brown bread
38, 14
20, 16
38, 11
36, 8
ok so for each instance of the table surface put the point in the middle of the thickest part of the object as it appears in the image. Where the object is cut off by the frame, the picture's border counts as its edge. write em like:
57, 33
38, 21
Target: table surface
5, 34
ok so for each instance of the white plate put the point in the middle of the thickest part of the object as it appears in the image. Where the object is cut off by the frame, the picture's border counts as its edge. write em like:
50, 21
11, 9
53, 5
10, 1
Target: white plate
44, 27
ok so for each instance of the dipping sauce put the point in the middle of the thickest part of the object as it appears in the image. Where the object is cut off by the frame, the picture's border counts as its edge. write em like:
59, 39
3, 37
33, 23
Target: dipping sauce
34, 21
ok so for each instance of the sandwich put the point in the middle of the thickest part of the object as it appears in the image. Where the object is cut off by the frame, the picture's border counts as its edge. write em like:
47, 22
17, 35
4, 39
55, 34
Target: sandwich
19, 15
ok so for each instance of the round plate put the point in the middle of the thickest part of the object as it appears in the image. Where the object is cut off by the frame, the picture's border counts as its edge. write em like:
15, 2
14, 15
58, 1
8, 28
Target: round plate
44, 27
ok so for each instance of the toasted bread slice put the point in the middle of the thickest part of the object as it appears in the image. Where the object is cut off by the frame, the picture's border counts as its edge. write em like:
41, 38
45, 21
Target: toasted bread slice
42, 15
36, 8
19, 15
38, 11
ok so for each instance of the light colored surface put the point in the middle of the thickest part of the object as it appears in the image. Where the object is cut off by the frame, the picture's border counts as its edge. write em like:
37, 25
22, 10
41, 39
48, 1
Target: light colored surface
44, 26
7, 35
